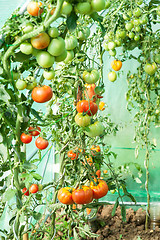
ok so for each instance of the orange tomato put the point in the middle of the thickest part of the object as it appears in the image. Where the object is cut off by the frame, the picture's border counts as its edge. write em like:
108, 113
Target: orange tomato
65, 195
82, 195
72, 155
116, 65
101, 106
40, 41
98, 173
105, 171
33, 8
88, 210
89, 160
89, 92
100, 190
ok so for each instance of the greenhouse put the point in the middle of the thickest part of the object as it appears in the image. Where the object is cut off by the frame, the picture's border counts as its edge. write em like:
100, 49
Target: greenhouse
79, 119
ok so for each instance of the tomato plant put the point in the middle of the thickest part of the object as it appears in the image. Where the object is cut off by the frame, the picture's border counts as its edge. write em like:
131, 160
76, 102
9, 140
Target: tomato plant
42, 94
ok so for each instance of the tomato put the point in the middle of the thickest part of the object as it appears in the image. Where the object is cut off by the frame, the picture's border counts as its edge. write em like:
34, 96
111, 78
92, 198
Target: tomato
112, 52
120, 34
157, 58
70, 56
15, 75
126, 16
65, 196
25, 191
89, 92
44, 59
49, 75
62, 56
40, 41
83, 195
40, 187
26, 48
91, 76
53, 32
137, 12
90, 107
26, 138
112, 76
101, 106
139, 2
105, 171
107, 4
34, 131
88, 160
42, 94
131, 35
83, 34
150, 68
105, 45
41, 143
116, 65
33, 188
100, 190
98, 173
66, 8
31, 82
136, 37
144, 19
27, 27
56, 46
71, 42
99, 90
21, 84
95, 129
98, 5
72, 155
118, 42
96, 148
33, 8
111, 45
137, 29
136, 22
129, 26
88, 210
83, 7
82, 120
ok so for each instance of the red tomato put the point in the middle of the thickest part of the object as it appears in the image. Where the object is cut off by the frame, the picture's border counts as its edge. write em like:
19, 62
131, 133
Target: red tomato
42, 94
26, 138
98, 173
87, 106
83, 195
72, 155
65, 196
100, 190
41, 143
34, 131
33, 188
25, 191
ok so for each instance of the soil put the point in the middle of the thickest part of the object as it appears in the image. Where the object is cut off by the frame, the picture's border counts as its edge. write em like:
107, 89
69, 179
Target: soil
115, 229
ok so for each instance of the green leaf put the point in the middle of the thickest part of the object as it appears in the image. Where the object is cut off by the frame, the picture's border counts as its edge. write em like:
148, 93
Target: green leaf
37, 215
8, 194
123, 212
28, 180
36, 176
29, 166
72, 21
4, 96
36, 115
115, 207
3, 151
131, 197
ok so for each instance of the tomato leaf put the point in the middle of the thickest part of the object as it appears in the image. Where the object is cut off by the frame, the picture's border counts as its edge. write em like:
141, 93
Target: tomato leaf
4, 96
9, 194
37, 215
115, 207
36, 176
36, 115
123, 212
29, 166
72, 21
3, 151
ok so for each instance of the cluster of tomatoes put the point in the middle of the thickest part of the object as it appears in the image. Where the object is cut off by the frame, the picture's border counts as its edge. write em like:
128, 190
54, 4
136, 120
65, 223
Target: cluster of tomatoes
32, 189
116, 65
83, 194
40, 142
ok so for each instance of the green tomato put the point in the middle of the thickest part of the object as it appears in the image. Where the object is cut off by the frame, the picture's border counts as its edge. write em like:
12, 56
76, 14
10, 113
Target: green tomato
83, 34
15, 75
27, 27
53, 32
71, 42
49, 75
98, 5
26, 48
157, 58
144, 19
40, 187
137, 29
105, 45
136, 22
118, 42
131, 35
111, 45
61, 57
56, 46
137, 12
66, 8
107, 4
112, 191
129, 13
129, 26
70, 56
136, 38
95, 129
126, 16
91, 77
150, 69
82, 120
120, 34
31, 82
112, 52
139, 2
112, 76
35, 52
99, 90
21, 84
83, 7
44, 59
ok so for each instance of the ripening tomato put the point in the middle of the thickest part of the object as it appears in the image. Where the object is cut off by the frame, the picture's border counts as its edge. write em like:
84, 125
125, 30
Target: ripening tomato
44, 59
88, 160
34, 131
71, 42
41, 143
42, 94
33, 188
25, 191
89, 92
116, 65
33, 8
150, 68
82, 120
90, 107
95, 149
100, 190
65, 195
40, 41
72, 155
98, 173
95, 129
91, 76
83, 195
26, 138
101, 106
